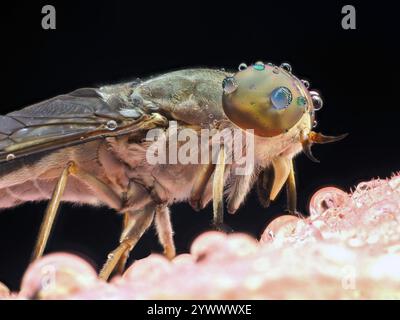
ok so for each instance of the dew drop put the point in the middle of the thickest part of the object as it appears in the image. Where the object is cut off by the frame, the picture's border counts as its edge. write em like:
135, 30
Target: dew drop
242, 66
275, 70
286, 66
111, 125
317, 102
306, 83
10, 157
327, 198
229, 85
259, 66
315, 124
281, 98
301, 101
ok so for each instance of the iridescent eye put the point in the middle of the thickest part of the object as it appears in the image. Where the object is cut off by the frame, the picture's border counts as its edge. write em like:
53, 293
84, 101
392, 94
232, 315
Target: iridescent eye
281, 97
229, 85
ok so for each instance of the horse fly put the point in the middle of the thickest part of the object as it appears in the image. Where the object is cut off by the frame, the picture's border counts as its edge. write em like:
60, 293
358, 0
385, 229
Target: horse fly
91, 146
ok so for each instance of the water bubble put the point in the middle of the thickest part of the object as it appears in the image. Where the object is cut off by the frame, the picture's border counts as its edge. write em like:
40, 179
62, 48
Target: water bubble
10, 157
286, 66
281, 98
111, 125
110, 256
275, 70
306, 83
301, 101
229, 84
327, 198
259, 66
242, 66
317, 102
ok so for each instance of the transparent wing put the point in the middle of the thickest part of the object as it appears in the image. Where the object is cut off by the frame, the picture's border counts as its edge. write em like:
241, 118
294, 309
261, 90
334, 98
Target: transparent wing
65, 120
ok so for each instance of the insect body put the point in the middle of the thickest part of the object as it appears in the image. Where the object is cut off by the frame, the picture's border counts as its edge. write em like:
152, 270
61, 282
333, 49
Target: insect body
90, 146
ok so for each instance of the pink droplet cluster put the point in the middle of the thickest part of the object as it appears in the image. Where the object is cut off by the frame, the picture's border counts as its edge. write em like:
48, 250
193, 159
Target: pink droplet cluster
349, 248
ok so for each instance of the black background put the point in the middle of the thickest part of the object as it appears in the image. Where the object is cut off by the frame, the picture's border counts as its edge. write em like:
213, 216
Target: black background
100, 42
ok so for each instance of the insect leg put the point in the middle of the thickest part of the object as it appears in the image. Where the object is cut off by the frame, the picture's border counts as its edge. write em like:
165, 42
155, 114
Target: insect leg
291, 190
101, 189
218, 192
200, 185
124, 258
165, 231
238, 191
138, 223
264, 186
51, 212
281, 167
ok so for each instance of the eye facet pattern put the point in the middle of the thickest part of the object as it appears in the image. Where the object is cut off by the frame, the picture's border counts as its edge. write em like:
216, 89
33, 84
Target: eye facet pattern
281, 98
229, 85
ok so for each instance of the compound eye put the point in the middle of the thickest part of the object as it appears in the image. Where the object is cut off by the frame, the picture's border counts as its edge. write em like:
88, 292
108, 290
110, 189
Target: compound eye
229, 85
281, 98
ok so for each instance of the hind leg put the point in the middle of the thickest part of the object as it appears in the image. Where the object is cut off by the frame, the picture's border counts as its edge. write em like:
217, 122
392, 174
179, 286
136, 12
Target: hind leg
139, 222
165, 231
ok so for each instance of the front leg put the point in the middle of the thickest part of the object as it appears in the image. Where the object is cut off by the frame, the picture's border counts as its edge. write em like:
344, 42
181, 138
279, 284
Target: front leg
239, 189
218, 192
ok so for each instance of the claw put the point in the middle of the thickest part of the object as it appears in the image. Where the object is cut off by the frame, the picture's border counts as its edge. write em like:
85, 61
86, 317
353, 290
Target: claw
306, 143
321, 139
313, 137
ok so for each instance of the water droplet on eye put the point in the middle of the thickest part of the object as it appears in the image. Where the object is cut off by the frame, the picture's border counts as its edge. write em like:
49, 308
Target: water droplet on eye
315, 123
306, 83
242, 66
229, 85
317, 102
301, 101
112, 125
275, 70
259, 66
10, 157
286, 66
281, 98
